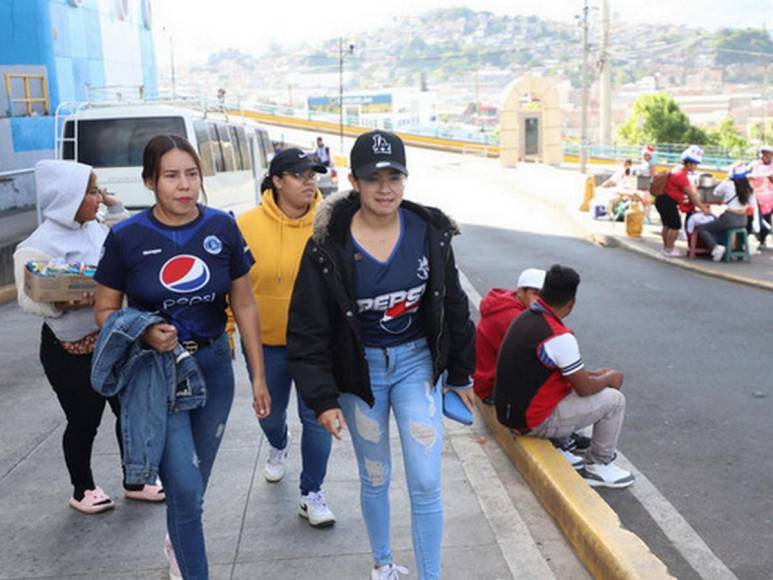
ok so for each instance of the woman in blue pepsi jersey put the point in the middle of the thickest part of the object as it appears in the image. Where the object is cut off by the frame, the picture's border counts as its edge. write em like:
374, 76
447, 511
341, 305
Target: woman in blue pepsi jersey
182, 259
379, 326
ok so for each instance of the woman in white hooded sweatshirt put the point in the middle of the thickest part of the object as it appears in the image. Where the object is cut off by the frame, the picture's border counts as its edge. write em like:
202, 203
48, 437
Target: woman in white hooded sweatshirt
69, 199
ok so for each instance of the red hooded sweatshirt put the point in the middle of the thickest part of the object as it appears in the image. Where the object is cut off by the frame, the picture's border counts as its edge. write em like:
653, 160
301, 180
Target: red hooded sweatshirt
497, 310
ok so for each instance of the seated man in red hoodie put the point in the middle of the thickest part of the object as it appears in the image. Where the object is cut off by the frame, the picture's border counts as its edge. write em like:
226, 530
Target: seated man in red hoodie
498, 309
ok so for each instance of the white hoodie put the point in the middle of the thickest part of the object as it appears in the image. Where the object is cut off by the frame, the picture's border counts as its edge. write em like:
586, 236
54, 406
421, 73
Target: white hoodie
61, 187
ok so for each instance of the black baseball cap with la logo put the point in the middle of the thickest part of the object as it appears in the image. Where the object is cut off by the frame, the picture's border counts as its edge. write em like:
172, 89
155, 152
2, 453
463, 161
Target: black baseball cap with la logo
377, 150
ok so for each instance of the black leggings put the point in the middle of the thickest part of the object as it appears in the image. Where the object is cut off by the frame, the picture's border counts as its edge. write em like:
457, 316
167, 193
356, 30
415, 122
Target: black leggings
69, 376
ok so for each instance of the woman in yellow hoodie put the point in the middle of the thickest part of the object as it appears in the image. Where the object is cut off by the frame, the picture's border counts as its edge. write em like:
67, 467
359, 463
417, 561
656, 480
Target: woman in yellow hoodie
276, 233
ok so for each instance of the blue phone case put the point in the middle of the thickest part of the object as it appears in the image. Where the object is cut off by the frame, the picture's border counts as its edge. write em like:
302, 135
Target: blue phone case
454, 408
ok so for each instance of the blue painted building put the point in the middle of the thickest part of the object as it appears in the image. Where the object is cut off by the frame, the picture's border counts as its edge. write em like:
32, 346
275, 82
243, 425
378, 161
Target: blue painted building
55, 51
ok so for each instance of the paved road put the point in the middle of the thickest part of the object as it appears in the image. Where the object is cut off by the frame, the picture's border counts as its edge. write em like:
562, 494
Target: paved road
696, 353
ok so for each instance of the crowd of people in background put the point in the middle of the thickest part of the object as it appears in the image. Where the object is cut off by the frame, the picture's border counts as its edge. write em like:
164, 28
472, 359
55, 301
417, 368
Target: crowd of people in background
746, 193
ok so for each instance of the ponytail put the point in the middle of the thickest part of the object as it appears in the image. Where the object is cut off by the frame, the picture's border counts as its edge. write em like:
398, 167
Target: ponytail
267, 183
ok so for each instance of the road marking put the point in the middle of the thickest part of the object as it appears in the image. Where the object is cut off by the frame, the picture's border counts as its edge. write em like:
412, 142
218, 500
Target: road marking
681, 534
518, 548
675, 527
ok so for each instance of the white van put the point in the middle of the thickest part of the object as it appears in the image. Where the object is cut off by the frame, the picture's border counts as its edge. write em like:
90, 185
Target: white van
112, 137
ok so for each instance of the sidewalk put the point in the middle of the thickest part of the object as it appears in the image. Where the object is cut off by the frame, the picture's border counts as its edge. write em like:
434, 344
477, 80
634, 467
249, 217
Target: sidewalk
495, 528
563, 188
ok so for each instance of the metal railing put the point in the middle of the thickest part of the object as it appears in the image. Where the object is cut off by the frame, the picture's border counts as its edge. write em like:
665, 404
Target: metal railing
666, 153
27, 100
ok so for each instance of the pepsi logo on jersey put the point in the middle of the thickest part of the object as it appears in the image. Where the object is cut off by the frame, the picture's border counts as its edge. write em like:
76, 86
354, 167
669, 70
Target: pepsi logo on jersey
184, 274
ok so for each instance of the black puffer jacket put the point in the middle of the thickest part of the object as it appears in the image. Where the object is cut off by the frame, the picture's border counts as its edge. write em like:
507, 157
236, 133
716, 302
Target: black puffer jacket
324, 342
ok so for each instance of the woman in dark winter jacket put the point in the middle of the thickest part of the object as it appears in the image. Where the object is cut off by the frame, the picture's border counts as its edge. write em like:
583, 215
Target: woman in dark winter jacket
379, 323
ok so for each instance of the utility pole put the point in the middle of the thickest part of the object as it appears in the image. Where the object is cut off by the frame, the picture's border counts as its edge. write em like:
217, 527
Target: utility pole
584, 126
341, 88
171, 64
605, 80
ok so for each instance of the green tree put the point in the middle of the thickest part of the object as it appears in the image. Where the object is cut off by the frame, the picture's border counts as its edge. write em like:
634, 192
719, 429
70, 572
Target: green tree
656, 119
726, 136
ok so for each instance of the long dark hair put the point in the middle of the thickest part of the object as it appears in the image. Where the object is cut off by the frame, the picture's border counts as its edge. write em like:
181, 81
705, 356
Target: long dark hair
159, 146
743, 190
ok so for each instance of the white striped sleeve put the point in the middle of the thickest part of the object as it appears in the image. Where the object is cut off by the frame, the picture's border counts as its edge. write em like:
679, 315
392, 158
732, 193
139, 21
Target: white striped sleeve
565, 352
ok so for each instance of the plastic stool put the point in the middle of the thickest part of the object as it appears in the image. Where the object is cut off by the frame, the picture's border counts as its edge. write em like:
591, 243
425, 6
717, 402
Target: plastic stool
737, 245
695, 245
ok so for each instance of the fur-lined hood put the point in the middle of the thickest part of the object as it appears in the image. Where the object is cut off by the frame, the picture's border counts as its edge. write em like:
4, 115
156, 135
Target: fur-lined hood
334, 216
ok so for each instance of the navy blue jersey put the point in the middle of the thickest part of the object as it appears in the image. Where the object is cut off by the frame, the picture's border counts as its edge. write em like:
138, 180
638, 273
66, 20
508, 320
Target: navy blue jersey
389, 293
183, 272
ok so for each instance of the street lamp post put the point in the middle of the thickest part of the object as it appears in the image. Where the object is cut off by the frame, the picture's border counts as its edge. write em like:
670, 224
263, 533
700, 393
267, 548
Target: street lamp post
341, 90
584, 121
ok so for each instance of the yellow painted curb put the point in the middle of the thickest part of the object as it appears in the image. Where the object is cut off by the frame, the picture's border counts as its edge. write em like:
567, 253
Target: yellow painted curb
591, 526
7, 293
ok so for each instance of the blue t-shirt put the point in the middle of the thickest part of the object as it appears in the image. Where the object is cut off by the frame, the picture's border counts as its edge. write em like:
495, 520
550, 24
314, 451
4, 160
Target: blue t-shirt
183, 272
389, 293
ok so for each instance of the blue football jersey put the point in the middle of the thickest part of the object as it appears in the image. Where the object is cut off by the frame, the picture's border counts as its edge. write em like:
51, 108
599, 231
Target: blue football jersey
389, 293
183, 272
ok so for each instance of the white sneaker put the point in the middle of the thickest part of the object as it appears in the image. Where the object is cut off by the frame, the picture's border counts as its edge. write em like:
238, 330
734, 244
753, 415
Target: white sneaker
574, 460
314, 508
174, 568
672, 253
388, 572
718, 252
609, 475
276, 464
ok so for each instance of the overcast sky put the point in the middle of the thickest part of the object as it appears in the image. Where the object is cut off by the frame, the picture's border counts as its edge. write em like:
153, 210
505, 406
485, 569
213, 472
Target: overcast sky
200, 28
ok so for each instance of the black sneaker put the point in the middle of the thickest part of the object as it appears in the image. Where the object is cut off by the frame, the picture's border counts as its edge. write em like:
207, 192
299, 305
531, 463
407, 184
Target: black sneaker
581, 442
575, 443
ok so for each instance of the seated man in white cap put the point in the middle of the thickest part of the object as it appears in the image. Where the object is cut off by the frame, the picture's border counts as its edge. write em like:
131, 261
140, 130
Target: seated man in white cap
498, 309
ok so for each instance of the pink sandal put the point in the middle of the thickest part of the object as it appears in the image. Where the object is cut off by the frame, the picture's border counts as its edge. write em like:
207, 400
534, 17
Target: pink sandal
94, 501
174, 568
151, 493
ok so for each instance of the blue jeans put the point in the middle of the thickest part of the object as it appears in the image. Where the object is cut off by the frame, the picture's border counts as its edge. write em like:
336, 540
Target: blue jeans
316, 443
192, 440
401, 381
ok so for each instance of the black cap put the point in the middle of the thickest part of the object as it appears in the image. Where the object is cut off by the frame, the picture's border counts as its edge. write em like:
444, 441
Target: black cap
294, 160
377, 150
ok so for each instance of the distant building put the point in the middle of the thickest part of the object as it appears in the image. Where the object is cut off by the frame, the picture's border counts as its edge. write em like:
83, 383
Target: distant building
53, 51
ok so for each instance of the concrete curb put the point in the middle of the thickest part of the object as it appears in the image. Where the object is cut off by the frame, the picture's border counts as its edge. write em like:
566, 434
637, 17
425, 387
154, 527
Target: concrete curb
606, 240
590, 525
7, 293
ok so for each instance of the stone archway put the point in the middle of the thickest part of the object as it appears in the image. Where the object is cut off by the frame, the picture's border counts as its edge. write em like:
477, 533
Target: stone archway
530, 122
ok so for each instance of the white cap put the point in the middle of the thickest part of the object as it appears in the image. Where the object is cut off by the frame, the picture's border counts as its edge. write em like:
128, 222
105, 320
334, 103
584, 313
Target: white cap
766, 149
531, 278
693, 154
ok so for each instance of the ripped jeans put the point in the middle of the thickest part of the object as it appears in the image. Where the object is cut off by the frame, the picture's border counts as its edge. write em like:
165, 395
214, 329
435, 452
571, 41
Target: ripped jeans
192, 440
401, 380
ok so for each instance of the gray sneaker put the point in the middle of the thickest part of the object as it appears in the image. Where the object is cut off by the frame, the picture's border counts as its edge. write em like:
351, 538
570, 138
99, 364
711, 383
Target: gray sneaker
609, 475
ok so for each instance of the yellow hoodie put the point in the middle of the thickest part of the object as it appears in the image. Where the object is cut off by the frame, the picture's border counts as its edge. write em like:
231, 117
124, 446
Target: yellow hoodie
276, 243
